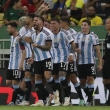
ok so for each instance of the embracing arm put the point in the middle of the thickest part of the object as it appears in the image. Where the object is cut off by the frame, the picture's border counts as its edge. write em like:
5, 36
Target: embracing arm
45, 47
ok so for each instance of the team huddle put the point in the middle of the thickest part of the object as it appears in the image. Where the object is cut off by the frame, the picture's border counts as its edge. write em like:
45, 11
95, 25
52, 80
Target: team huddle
55, 56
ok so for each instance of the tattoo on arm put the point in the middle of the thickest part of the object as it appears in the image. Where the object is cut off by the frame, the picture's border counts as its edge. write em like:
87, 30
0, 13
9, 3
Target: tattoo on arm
72, 47
46, 47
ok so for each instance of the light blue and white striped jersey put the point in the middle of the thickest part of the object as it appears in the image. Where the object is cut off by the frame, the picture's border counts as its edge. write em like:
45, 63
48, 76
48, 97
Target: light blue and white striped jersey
40, 39
61, 44
73, 33
28, 47
15, 54
86, 43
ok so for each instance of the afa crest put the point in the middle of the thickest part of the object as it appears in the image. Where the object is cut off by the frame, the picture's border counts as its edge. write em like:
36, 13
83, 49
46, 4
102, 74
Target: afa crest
55, 39
83, 39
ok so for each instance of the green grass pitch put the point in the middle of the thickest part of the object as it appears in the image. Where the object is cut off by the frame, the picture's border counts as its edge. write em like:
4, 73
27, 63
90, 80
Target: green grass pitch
54, 108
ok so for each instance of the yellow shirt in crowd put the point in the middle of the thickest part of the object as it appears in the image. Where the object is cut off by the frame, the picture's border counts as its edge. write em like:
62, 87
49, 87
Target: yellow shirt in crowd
94, 22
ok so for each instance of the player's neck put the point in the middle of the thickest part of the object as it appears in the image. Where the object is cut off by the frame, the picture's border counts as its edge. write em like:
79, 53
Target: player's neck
39, 30
86, 32
15, 34
31, 25
66, 28
56, 31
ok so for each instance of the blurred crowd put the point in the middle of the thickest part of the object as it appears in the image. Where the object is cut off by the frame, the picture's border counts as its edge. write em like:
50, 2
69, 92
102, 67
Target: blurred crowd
97, 11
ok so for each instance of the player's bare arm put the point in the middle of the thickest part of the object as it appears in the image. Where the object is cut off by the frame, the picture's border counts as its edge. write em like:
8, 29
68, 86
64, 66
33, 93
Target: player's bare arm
77, 49
31, 60
45, 47
22, 60
97, 48
72, 47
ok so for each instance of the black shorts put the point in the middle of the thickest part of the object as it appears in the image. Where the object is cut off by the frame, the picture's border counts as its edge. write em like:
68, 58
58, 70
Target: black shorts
59, 67
41, 66
86, 70
28, 66
106, 70
72, 69
13, 75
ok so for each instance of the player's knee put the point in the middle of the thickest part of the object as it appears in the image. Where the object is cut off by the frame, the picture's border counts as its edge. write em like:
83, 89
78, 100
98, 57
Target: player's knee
8, 82
82, 82
62, 73
105, 81
48, 75
74, 81
55, 76
90, 80
27, 74
15, 82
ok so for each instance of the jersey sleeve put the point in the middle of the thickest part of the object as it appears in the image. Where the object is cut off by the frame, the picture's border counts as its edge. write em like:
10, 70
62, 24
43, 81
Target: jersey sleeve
28, 34
95, 40
48, 38
75, 40
69, 38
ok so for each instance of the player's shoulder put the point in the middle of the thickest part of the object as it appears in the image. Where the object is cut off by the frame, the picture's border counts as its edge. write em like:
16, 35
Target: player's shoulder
72, 31
46, 31
32, 30
79, 33
93, 35
22, 30
64, 31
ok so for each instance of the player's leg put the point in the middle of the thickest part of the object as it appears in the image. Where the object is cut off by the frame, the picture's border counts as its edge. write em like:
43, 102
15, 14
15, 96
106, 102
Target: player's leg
72, 71
66, 100
62, 77
9, 76
28, 84
39, 87
106, 79
90, 70
22, 86
50, 79
16, 87
55, 75
46, 93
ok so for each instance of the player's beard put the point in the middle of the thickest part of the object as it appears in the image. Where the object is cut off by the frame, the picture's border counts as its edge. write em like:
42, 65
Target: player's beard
37, 27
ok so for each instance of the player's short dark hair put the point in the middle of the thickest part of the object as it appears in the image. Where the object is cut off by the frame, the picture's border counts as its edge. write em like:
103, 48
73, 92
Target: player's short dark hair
67, 20
40, 17
55, 19
13, 24
47, 20
87, 21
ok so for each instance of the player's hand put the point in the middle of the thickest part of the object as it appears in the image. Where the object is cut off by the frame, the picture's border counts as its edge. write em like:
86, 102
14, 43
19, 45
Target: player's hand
34, 45
30, 61
99, 68
18, 39
70, 58
78, 50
